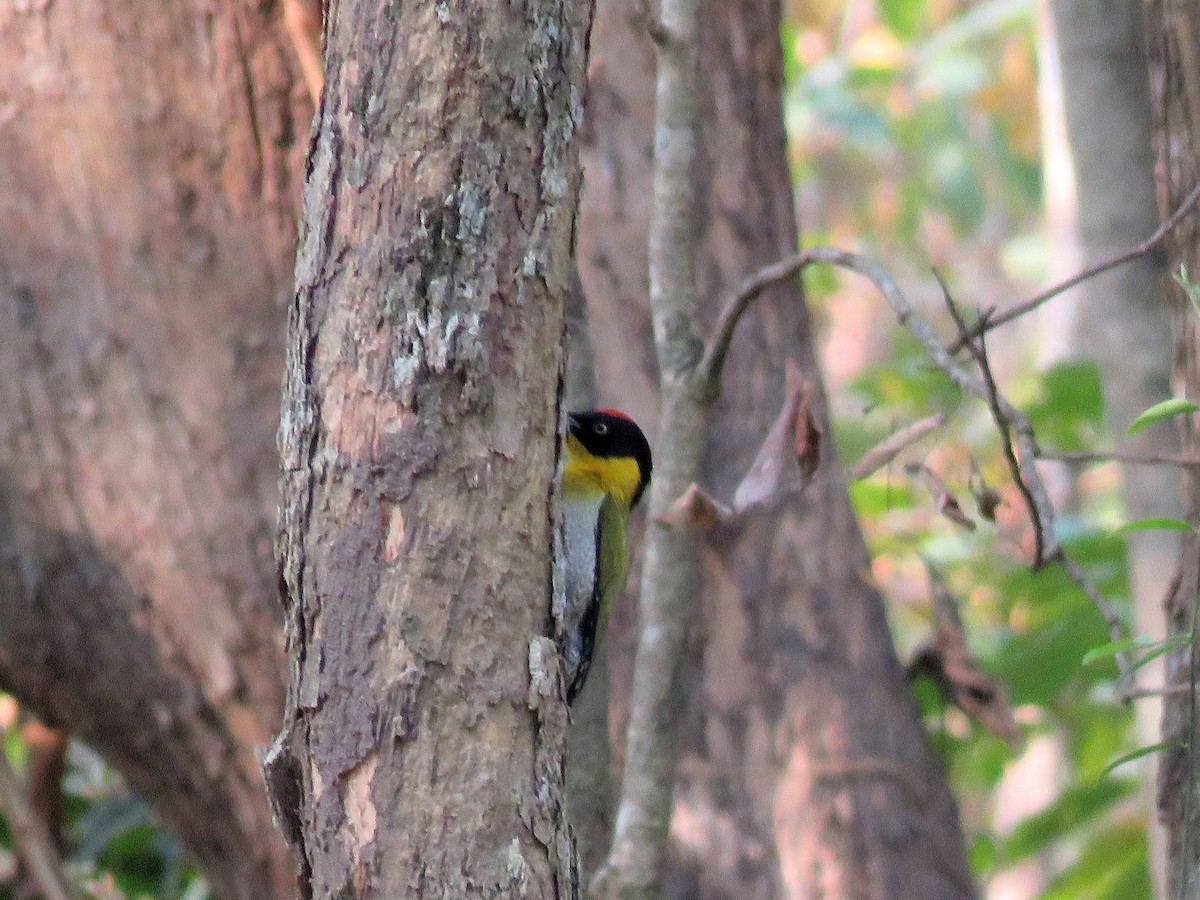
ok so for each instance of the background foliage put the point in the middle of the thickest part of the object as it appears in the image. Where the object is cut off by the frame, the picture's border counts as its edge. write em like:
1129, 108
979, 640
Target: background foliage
915, 138
915, 129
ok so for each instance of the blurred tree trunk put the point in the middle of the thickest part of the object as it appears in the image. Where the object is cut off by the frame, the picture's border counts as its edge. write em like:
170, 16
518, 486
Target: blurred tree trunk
804, 769
1174, 42
589, 775
422, 751
146, 237
1124, 318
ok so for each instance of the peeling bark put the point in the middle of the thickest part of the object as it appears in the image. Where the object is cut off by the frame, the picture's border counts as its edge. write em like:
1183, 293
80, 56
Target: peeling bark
422, 749
146, 232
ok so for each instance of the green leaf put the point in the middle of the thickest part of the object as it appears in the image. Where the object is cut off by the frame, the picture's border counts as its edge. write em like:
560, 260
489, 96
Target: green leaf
903, 17
1176, 406
1190, 288
1112, 648
1074, 808
1155, 525
1140, 642
1113, 866
1059, 624
1138, 754
1174, 642
952, 76
1069, 413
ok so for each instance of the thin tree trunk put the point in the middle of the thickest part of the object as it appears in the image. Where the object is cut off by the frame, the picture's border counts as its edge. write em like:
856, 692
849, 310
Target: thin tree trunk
802, 760
422, 750
1123, 320
1174, 41
146, 235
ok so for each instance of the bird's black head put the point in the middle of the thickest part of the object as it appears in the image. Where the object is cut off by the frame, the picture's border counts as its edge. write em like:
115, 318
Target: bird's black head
609, 434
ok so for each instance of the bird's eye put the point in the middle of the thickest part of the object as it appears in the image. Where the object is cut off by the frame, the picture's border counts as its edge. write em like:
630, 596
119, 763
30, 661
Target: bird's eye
600, 428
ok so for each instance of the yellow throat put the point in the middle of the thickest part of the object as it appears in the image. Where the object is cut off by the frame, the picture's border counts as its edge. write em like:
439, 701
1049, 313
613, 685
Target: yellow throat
585, 473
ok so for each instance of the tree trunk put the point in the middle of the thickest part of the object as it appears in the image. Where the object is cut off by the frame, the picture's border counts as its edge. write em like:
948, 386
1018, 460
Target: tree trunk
1174, 41
804, 769
146, 235
1123, 320
422, 750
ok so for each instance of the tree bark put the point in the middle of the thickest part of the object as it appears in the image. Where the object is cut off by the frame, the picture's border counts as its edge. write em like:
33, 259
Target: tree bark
803, 770
422, 750
146, 236
1124, 318
1174, 42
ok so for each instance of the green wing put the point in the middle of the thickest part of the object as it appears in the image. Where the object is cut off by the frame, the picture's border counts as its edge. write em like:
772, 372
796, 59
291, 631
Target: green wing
613, 560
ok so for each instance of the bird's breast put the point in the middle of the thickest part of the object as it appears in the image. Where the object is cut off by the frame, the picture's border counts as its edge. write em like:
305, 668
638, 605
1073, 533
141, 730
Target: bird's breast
581, 514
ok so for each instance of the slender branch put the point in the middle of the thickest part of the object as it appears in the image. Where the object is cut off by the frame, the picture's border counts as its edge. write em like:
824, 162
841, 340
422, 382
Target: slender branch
887, 450
637, 859
1171, 690
1024, 443
998, 319
34, 845
1135, 459
1116, 629
979, 354
708, 372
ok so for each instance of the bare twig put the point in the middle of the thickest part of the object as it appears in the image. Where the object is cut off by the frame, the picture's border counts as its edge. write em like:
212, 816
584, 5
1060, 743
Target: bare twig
889, 448
708, 372
998, 319
1116, 631
979, 354
1136, 459
1024, 444
34, 845
1172, 690
639, 847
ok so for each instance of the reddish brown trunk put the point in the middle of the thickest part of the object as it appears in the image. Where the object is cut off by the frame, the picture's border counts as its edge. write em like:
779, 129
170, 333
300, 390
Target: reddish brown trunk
805, 770
146, 210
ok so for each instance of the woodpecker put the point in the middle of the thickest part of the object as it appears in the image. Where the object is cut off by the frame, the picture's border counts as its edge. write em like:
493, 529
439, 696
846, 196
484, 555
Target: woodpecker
607, 469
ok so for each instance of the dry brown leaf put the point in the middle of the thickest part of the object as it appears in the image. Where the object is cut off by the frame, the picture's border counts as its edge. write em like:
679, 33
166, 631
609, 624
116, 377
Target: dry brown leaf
949, 663
987, 501
945, 502
790, 452
806, 431
695, 509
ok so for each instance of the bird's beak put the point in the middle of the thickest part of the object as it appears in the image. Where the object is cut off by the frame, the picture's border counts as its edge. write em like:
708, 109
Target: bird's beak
572, 422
